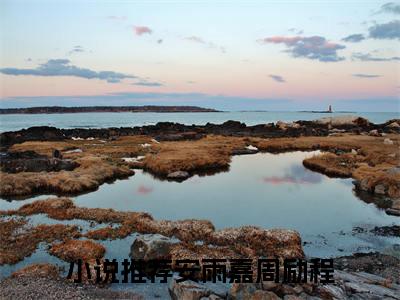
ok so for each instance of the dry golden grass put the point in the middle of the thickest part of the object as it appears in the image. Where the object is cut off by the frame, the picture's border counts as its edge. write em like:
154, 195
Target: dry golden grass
72, 250
127, 146
209, 153
92, 172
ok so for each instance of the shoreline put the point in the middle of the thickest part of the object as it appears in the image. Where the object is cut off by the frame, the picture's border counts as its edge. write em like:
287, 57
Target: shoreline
63, 161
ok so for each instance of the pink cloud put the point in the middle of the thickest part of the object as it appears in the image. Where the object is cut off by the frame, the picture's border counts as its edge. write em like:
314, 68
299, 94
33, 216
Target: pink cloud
139, 30
144, 190
312, 47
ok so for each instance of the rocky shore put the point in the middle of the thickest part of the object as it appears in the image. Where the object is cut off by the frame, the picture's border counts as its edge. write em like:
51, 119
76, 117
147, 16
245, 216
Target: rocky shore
46, 160
80, 160
360, 276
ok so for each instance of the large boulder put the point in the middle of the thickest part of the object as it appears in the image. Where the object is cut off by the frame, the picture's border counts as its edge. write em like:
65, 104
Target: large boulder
344, 120
152, 246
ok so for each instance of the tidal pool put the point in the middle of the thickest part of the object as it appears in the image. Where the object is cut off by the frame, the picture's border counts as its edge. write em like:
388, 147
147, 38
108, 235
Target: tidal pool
266, 190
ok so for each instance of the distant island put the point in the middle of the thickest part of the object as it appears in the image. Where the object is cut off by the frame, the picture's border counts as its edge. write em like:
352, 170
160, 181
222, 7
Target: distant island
92, 109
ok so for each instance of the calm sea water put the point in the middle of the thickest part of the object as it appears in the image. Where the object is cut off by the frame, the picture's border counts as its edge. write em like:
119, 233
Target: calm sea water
104, 120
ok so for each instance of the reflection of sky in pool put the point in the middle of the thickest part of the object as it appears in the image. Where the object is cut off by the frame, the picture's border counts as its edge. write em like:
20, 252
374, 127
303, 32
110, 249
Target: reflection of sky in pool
267, 190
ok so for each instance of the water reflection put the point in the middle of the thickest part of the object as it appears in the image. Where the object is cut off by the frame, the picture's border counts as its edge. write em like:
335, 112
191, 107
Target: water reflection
295, 175
266, 190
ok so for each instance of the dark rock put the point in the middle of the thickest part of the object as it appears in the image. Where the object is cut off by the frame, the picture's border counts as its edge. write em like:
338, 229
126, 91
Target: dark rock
243, 151
152, 246
393, 212
178, 175
30, 161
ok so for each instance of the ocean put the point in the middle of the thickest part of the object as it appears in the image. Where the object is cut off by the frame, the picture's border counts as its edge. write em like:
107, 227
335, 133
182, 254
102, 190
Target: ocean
127, 119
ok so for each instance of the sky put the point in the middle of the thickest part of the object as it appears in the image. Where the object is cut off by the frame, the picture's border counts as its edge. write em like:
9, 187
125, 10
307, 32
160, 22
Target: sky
232, 55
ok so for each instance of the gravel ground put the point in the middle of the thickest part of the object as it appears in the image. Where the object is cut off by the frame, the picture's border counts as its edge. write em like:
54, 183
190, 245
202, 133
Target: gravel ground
28, 287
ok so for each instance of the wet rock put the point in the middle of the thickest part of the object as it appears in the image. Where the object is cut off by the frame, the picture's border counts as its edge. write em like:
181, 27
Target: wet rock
178, 175
72, 250
381, 265
393, 230
360, 285
152, 246
393, 211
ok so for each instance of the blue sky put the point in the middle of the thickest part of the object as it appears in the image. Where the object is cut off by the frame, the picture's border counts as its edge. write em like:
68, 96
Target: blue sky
231, 54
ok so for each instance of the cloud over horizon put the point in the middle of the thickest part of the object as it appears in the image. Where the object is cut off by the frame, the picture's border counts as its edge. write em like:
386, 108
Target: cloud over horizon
277, 78
313, 47
390, 30
199, 40
148, 83
140, 30
369, 57
62, 67
390, 7
354, 38
359, 75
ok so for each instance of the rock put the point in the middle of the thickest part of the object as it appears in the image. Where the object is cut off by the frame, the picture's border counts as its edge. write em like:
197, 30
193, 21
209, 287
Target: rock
57, 154
178, 175
332, 292
191, 290
393, 212
76, 150
374, 132
363, 185
152, 246
291, 297
343, 120
380, 189
29, 161
354, 152
243, 151
388, 141
281, 125
244, 291
393, 125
